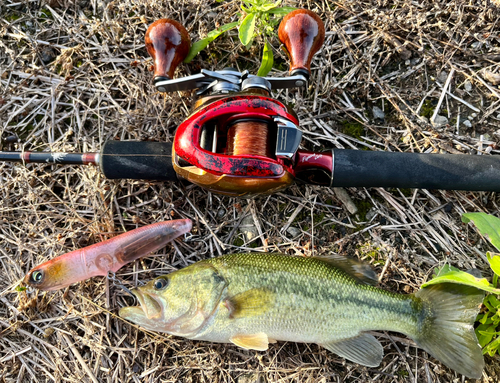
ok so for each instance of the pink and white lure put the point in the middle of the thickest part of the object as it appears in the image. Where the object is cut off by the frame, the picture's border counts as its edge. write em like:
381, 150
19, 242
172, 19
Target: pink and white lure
110, 255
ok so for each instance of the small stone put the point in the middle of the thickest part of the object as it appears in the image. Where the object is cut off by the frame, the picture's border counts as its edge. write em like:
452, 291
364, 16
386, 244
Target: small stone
378, 114
293, 231
47, 55
136, 368
371, 213
448, 207
439, 121
467, 123
407, 62
442, 76
346, 200
424, 119
473, 115
476, 45
248, 228
467, 85
221, 213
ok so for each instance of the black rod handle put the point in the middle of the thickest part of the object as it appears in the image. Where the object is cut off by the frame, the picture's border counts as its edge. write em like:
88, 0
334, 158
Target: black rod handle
138, 160
361, 168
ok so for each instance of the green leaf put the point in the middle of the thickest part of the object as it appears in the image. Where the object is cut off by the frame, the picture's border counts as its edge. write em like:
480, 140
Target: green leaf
451, 274
282, 11
267, 7
486, 334
247, 28
488, 225
211, 36
492, 348
267, 61
484, 319
494, 259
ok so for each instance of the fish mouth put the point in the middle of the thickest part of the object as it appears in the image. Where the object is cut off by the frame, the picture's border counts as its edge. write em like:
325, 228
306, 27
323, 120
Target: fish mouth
150, 307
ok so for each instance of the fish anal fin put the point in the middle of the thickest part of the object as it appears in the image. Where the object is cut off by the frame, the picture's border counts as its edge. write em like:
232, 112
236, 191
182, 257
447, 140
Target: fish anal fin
257, 341
249, 303
360, 271
363, 349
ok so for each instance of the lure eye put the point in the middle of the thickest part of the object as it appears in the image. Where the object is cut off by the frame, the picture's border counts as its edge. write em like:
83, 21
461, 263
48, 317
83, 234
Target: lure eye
37, 276
160, 284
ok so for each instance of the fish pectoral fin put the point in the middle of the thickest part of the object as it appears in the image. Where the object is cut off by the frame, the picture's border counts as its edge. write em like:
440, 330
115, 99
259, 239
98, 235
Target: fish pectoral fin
249, 303
363, 349
257, 341
360, 271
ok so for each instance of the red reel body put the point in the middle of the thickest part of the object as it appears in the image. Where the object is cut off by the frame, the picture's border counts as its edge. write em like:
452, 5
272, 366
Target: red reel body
209, 162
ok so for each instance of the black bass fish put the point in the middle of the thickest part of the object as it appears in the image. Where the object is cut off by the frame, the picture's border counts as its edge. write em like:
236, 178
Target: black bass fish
255, 299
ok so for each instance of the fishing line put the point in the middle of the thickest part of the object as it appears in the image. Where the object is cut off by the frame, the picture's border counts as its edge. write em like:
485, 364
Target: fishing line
116, 282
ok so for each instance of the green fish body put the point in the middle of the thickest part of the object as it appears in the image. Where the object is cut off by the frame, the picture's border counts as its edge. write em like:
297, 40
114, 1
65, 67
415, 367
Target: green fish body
255, 299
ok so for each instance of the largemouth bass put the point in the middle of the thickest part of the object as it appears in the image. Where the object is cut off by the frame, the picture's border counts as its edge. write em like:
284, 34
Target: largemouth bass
255, 299
109, 255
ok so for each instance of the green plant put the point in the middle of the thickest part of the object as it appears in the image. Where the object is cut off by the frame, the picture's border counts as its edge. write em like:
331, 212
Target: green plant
259, 18
488, 331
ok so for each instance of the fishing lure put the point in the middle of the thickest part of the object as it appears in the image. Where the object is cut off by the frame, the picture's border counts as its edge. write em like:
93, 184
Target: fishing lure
101, 258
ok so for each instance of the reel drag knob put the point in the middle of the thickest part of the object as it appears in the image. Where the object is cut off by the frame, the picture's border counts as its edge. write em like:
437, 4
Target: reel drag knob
168, 44
303, 33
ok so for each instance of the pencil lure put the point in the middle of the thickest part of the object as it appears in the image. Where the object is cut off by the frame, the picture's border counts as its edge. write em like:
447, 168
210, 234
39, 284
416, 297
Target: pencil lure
110, 255
252, 300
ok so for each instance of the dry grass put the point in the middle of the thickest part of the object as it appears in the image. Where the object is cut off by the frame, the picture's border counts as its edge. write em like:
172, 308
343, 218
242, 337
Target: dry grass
75, 74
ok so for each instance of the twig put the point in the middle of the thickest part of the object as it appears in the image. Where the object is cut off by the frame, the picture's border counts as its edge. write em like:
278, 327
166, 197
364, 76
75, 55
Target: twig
443, 93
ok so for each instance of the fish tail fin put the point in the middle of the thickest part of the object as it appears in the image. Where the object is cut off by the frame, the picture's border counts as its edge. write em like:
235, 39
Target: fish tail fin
446, 329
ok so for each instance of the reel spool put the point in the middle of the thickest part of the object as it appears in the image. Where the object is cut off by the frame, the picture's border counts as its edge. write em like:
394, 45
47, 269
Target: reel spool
249, 138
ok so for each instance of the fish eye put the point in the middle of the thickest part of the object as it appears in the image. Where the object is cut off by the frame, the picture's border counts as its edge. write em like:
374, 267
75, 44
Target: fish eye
160, 284
37, 276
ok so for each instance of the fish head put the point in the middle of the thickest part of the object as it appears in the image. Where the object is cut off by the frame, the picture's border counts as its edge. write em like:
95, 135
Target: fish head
51, 275
180, 303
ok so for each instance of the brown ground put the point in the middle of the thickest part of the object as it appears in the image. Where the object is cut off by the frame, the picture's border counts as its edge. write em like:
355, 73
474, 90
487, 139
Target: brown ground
75, 74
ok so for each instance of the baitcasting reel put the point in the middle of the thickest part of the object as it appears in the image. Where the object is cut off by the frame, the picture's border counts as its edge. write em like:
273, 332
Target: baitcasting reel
239, 140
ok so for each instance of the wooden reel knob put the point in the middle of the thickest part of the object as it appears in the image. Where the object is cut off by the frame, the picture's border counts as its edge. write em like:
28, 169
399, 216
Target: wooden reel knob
168, 44
303, 33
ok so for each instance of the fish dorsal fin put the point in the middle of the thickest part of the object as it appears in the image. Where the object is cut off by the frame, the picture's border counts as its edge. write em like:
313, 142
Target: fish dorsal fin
363, 349
360, 271
249, 303
257, 341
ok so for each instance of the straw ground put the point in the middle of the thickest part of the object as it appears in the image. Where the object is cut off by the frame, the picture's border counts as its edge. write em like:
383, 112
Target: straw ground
417, 76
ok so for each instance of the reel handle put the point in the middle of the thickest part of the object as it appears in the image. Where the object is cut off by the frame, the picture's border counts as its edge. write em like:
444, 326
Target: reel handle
303, 33
168, 43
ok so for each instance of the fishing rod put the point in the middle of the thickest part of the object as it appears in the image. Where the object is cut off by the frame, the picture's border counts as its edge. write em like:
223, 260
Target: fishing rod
240, 141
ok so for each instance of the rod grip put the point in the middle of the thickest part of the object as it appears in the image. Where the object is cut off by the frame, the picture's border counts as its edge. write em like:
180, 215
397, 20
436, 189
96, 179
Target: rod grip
138, 160
361, 168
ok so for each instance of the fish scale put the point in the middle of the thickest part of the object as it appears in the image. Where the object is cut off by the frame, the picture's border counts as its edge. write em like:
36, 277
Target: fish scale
346, 307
